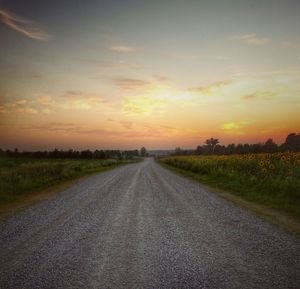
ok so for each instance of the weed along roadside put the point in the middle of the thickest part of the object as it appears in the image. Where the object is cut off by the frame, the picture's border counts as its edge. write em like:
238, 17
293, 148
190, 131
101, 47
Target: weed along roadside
268, 184
24, 181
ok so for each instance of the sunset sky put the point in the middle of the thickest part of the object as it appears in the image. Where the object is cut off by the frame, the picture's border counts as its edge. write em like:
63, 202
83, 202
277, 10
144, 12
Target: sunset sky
124, 74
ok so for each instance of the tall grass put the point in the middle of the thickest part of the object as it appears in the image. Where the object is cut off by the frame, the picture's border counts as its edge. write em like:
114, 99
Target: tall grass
19, 175
270, 179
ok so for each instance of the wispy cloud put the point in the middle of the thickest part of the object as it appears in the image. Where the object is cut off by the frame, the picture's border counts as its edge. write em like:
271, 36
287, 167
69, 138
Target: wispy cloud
210, 87
132, 131
292, 44
249, 89
79, 94
77, 99
259, 95
69, 100
19, 106
123, 48
127, 124
118, 64
58, 127
252, 39
130, 83
24, 26
249, 96
121, 64
180, 55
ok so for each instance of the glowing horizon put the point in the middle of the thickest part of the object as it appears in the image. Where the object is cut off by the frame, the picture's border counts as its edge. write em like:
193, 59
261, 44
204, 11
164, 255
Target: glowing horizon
129, 74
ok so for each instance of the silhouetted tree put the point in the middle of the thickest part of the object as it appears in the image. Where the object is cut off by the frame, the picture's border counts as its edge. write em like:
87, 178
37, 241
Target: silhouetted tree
130, 154
270, 146
72, 154
199, 150
292, 142
178, 151
211, 144
246, 148
230, 149
220, 150
143, 152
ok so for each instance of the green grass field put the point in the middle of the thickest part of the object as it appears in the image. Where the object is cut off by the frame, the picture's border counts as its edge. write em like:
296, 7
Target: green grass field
268, 179
19, 176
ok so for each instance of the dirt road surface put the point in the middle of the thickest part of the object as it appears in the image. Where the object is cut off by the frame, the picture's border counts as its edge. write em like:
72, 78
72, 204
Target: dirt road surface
142, 226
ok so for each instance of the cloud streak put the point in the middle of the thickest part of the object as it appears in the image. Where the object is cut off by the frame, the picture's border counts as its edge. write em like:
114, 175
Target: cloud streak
23, 26
83, 95
292, 44
108, 64
211, 87
123, 48
130, 83
140, 130
19, 106
263, 95
58, 127
252, 39
69, 100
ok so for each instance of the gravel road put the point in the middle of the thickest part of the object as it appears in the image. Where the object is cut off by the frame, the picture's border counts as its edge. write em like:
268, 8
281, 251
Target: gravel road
142, 226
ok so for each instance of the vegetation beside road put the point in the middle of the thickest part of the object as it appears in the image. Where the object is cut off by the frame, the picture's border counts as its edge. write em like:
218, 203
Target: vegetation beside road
272, 180
19, 176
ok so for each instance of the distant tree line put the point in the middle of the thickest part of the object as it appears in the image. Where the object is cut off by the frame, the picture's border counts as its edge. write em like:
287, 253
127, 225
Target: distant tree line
73, 154
213, 146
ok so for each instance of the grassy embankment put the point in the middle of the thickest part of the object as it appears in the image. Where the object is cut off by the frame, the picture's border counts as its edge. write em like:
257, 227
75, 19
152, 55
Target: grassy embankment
22, 176
272, 180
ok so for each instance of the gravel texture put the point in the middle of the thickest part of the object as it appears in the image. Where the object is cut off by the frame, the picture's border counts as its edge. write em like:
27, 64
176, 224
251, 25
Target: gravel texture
142, 226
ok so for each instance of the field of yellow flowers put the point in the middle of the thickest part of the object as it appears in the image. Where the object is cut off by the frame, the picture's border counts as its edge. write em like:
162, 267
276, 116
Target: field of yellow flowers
270, 179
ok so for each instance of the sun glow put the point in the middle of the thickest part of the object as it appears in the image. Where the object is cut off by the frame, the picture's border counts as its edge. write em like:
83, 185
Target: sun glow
161, 85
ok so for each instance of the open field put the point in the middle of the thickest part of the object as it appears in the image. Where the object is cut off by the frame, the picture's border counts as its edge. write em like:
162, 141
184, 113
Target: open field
25, 175
269, 179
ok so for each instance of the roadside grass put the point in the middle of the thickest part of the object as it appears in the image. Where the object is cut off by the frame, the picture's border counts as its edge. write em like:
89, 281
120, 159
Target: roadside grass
272, 180
22, 176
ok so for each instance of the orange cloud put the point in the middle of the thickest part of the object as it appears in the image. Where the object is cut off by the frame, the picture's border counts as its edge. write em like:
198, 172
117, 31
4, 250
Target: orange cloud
24, 26
58, 127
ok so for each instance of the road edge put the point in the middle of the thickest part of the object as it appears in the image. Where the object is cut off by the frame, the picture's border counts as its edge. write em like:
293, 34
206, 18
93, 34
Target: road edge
27, 200
275, 217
